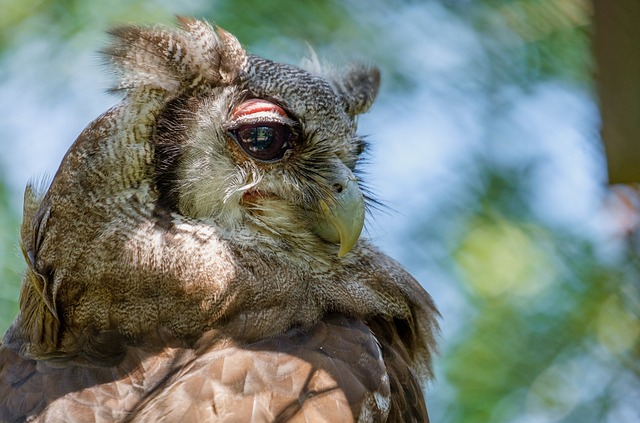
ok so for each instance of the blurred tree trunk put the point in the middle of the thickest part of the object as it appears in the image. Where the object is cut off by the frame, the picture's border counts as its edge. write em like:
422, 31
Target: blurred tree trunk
617, 52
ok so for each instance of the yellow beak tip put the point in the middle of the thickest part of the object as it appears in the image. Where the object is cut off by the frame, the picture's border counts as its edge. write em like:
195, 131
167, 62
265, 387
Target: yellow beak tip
341, 220
343, 250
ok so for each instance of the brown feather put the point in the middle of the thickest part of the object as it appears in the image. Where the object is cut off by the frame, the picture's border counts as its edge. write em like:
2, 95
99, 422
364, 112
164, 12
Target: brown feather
333, 372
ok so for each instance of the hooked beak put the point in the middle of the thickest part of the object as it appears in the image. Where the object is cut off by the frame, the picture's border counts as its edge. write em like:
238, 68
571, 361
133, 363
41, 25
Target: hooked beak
340, 219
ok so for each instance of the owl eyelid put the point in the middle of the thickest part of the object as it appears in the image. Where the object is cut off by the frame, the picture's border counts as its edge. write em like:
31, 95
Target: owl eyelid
257, 118
255, 110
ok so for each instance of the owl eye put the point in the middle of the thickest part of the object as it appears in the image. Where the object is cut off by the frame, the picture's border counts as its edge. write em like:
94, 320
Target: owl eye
262, 128
266, 141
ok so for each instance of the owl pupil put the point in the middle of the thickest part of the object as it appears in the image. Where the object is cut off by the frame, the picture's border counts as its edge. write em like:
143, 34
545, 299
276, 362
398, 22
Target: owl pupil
259, 138
266, 141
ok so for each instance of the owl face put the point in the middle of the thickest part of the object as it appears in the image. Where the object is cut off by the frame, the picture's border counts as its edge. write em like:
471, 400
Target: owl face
273, 153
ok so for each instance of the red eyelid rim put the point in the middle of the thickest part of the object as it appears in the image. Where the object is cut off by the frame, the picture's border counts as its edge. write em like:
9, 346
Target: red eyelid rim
256, 106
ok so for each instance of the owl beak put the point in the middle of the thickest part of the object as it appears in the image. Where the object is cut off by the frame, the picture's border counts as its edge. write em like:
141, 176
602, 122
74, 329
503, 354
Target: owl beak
341, 219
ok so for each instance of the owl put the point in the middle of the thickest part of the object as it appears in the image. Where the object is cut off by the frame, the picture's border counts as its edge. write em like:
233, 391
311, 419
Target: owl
197, 256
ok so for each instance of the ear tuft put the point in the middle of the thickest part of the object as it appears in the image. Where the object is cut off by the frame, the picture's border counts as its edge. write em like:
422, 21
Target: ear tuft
358, 87
173, 59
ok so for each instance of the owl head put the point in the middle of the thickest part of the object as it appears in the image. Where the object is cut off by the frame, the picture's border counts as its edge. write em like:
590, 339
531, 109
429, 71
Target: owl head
256, 147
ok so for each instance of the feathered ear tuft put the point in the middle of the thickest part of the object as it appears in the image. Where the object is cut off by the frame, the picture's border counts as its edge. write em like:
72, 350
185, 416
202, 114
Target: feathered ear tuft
356, 84
174, 59
357, 87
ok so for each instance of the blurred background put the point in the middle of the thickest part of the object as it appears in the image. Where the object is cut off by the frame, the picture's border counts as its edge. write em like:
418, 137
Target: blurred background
486, 149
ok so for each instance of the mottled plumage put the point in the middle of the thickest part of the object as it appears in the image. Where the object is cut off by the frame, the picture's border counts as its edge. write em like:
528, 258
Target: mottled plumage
197, 255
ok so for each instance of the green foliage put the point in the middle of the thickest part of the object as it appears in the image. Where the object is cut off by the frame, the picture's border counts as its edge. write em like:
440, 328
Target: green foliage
551, 36
546, 310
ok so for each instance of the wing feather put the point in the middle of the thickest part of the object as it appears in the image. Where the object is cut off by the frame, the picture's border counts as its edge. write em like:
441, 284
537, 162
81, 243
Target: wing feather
331, 372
